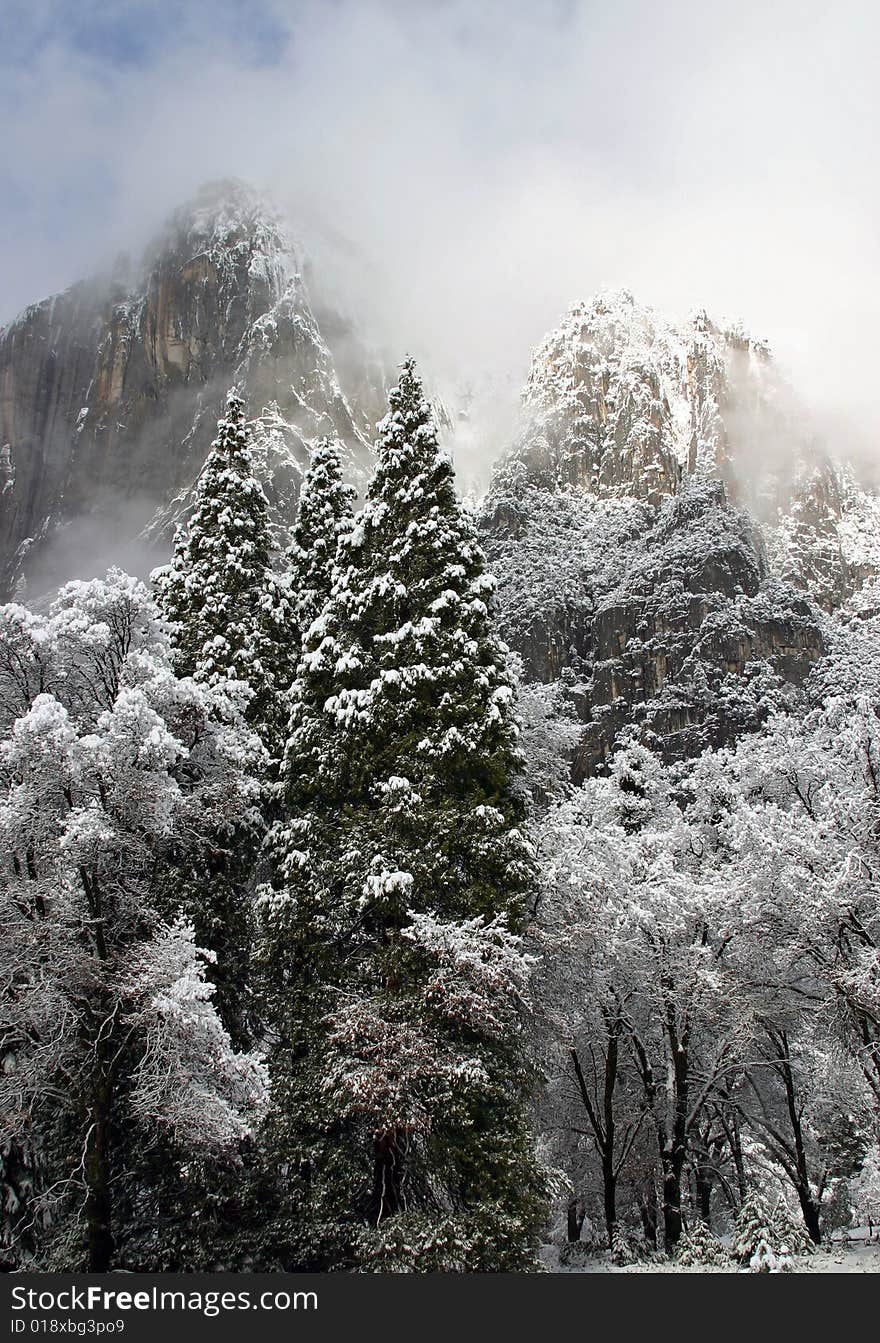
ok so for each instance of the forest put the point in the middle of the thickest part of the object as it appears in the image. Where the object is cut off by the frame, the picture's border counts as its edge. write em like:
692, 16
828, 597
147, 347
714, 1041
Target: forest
317, 954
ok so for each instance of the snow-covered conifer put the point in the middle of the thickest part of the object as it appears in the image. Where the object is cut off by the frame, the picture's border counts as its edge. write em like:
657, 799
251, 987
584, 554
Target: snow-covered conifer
226, 607
228, 615
325, 505
392, 934
765, 1238
698, 1246
754, 1227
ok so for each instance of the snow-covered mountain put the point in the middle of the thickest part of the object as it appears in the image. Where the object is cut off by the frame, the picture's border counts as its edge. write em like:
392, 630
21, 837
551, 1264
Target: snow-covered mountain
110, 392
681, 566
624, 403
667, 533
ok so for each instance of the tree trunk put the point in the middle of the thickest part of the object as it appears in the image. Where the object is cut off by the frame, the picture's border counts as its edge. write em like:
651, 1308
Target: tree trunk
704, 1198
704, 1180
809, 1205
738, 1159
603, 1122
576, 1213
609, 1191
96, 1168
810, 1211
674, 1156
672, 1223
648, 1214
389, 1173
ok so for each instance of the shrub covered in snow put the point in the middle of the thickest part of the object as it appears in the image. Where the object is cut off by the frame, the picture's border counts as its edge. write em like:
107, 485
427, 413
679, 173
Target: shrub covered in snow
699, 1246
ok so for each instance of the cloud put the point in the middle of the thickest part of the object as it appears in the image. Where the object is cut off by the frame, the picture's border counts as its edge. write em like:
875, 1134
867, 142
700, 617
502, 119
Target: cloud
486, 164
87, 545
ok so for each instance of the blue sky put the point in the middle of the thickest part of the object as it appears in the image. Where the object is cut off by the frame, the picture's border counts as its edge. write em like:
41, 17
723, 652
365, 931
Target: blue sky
488, 162
67, 70
126, 34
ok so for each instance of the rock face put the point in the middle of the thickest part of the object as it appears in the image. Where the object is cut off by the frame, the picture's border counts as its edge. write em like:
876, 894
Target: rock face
619, 402
665, 534
109, 393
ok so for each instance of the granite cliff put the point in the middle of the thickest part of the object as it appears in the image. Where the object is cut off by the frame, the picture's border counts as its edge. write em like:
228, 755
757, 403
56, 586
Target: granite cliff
110, 392
668, 537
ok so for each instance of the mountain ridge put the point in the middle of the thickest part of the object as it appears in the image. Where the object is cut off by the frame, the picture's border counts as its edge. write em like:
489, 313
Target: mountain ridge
110, 392
668, 537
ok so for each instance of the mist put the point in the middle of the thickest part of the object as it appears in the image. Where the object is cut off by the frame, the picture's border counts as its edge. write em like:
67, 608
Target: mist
459, 173
86, 546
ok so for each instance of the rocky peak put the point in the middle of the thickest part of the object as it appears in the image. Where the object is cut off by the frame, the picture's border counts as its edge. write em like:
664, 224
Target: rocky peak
229, 242
231, 223
620, 400
645, 523
110, 392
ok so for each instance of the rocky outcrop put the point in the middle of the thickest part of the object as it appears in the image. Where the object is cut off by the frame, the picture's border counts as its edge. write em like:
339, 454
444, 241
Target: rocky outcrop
663, 618
109, 393
627, 538
698, 642
621, 402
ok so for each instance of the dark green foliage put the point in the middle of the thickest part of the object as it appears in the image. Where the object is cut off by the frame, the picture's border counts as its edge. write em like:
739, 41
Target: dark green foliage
390, 950
324, 513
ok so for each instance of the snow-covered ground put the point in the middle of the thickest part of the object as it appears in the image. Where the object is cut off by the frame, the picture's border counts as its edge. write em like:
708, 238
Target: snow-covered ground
853, 1258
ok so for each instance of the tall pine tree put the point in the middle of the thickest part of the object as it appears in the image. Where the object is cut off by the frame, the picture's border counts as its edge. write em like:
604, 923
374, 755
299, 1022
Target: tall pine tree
225, 605
391, 937
325, 512
225, 609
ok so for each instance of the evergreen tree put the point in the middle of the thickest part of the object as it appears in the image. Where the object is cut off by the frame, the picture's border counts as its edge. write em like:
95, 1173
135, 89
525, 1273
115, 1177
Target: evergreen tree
698, 1246
325, 505
753, 1228
391, 939
225, 606
789, 1231
226, 610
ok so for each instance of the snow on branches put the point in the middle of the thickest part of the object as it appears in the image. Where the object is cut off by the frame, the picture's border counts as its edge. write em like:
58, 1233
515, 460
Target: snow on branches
115, 776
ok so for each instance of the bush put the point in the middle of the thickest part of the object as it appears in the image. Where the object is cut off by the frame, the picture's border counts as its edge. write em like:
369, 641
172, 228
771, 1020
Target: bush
765, 1238
577, 1251
698, 1246
628, 1247
766, 1260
